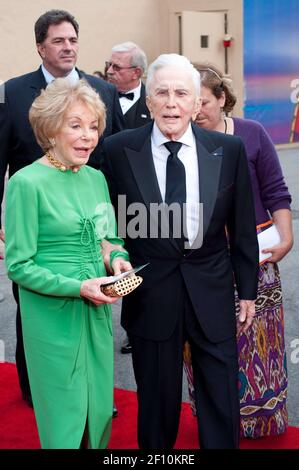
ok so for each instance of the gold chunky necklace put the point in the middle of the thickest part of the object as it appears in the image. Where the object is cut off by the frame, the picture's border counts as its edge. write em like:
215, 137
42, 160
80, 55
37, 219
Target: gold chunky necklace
60, 166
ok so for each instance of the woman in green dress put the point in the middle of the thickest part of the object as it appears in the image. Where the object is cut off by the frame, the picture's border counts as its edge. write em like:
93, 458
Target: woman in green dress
58, 213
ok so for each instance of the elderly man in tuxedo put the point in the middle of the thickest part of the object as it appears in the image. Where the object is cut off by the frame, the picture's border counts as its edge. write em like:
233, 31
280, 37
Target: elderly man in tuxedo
56, 34
188, 289
127, 65
125, 68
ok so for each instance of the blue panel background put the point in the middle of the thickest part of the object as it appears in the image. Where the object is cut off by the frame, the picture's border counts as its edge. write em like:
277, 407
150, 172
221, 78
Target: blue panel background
271, 62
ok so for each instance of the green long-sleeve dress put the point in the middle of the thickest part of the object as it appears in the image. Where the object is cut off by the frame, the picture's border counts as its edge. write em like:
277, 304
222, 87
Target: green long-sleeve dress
54, 224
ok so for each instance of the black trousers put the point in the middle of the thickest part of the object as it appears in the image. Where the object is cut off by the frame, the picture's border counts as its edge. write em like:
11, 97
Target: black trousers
20, 353
158, 368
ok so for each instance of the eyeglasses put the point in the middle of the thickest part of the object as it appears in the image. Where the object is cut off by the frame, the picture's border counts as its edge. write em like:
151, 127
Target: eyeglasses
117, 68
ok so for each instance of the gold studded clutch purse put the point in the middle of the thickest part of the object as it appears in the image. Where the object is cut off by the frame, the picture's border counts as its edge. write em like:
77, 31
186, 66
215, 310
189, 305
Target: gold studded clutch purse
124, 283
121, 287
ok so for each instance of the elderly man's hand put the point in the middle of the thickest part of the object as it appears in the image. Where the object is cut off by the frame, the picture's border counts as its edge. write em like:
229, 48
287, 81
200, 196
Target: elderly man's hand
247, 312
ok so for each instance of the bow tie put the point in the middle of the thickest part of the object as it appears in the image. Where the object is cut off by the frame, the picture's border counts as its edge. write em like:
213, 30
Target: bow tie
129, 96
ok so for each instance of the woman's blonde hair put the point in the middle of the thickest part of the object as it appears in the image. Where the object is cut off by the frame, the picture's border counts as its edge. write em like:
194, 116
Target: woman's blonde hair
48, 110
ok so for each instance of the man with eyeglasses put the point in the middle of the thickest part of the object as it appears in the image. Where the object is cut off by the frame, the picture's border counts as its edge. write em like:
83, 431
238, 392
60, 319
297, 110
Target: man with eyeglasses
56, 34
125, 68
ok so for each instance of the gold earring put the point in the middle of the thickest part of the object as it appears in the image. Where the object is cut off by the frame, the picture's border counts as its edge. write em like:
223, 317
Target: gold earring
52, 142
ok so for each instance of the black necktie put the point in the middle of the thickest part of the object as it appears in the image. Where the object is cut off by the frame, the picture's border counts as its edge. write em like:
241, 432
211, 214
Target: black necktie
175, 181
129, 96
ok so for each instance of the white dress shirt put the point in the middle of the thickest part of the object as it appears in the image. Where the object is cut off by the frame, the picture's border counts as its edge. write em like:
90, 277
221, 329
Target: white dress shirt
188, 156
126, 104
73, 76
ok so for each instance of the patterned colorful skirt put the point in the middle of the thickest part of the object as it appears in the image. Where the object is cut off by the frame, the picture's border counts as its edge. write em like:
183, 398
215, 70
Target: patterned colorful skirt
262, 363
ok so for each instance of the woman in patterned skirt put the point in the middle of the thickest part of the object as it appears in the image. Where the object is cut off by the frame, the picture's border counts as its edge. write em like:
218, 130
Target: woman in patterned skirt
262, 355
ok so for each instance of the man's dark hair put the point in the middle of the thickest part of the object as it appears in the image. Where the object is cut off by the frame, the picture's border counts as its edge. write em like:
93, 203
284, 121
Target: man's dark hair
52, 17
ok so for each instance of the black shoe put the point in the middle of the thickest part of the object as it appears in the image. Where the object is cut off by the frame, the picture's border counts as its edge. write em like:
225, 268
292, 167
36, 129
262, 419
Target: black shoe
27, 398
115, 412
126, 346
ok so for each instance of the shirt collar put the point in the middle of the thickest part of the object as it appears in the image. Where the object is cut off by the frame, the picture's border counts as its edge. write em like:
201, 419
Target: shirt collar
160, 139
136, 90
73, 76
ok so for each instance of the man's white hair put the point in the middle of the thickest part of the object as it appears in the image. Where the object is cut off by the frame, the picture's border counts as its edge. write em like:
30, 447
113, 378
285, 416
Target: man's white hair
138, 57
176, 61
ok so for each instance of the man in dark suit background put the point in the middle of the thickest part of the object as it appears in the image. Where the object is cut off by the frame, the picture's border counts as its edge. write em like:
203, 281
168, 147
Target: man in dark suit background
127, 65
56, 34
125, 69
188, 288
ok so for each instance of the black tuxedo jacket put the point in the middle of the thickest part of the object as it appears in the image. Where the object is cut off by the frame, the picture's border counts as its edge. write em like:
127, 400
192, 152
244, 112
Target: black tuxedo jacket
138, 115
18, 146
207, 272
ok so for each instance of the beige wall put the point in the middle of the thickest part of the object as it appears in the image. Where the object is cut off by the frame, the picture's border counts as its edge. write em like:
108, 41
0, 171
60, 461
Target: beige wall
103, 23
153, 24
169, 33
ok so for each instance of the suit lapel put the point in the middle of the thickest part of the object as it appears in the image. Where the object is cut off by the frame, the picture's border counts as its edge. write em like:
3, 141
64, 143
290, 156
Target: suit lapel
130, 117
38, 83
138, 115
209, 164
142, 115
142, 165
